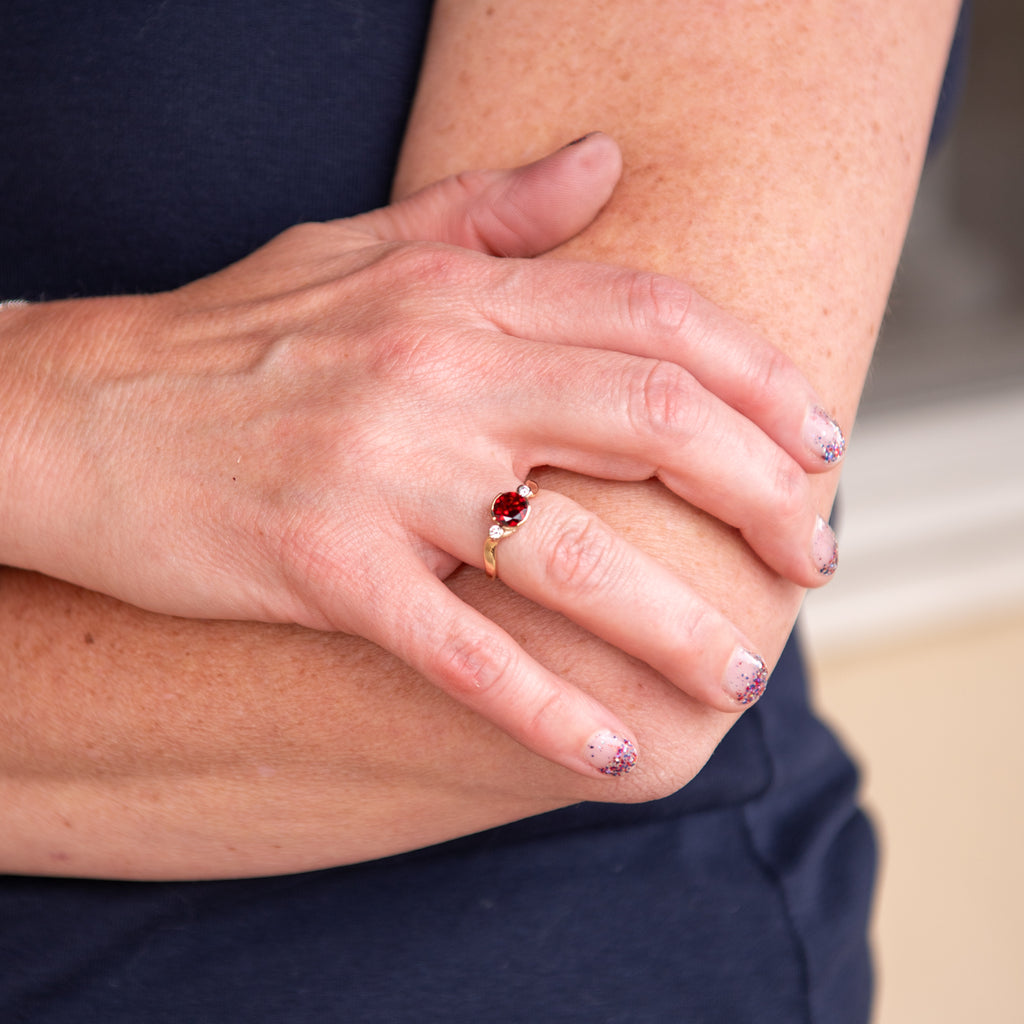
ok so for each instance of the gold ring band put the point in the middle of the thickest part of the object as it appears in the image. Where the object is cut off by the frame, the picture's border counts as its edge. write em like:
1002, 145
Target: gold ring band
508, 512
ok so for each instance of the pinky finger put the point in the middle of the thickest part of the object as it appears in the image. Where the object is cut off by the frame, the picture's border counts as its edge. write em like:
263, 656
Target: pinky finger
481, 666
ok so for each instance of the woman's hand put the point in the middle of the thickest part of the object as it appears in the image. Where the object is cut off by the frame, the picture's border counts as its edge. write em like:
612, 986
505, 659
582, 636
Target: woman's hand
315, 435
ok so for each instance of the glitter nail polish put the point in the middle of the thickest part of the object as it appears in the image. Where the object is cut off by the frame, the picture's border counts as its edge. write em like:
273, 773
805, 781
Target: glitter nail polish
825, 549
823, 436
610, 754
746, 677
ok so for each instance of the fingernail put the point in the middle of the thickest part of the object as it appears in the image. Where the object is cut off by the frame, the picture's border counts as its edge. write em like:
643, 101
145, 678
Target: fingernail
746, 677
823, 436
582, 138
825, 549
610, 754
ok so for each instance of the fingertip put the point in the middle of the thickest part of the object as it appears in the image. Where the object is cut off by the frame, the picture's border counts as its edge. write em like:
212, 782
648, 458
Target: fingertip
745, 680
823, 438
610, 753
537, 207
824, 550
597, 156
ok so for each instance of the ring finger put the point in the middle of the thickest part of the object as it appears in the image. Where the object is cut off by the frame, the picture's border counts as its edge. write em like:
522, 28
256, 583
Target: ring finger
564, 558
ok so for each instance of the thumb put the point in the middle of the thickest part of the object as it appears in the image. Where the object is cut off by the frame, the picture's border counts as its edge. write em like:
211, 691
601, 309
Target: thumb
520, 212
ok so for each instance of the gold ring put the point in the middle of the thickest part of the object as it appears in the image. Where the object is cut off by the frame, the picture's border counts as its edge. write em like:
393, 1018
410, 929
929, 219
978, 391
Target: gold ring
508, 512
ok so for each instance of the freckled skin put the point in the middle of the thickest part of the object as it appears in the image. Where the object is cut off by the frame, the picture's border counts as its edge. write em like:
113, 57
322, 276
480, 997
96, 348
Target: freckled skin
771, 156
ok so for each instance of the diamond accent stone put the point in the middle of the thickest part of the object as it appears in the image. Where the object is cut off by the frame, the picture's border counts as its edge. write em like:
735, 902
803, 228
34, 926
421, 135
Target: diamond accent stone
524, 491
496, 532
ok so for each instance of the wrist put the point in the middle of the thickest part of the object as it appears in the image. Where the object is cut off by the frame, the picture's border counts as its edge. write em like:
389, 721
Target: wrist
48, 353
19, 411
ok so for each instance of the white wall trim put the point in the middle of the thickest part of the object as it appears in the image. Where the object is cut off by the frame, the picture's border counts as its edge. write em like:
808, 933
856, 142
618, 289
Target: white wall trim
931, 523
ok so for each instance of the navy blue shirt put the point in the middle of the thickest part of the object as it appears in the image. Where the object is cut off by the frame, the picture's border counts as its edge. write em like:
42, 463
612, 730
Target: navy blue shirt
145, 143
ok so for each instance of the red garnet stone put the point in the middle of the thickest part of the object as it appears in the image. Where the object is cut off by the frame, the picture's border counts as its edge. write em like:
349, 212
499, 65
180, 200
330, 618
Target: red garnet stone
510, 509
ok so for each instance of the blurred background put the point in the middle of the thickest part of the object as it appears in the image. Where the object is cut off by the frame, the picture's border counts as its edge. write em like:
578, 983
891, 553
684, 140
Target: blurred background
918, 644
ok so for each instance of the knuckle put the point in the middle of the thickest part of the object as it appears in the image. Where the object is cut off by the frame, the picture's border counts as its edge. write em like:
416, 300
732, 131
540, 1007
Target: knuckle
691, 625
468, 185
662, 399
550, 707
791, 492
475, 667
484, 212
410, 265
771, 373
435, 266
581, 556
658, 304
511, 287
411, 327
409, 274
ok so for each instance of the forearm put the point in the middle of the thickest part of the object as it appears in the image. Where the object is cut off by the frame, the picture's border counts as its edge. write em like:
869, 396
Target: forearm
140, 746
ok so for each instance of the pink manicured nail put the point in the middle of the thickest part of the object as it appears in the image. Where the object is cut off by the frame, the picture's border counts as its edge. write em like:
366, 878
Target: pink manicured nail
825, 549
746, 677
610, 754
823, 436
